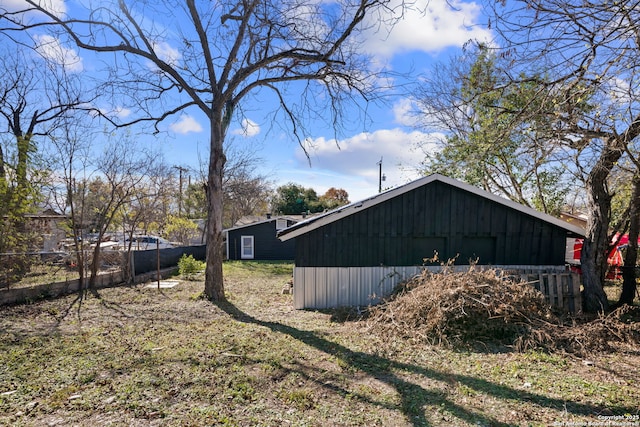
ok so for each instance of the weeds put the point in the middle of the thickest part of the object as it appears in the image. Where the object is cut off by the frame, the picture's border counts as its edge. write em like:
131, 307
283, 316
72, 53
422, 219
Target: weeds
142, 356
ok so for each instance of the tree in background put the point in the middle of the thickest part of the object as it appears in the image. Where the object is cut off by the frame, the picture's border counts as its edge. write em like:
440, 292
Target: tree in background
334, 197
181, 230
35, 96
488, 142
223, 53
155, 198
245, 190
96, 187
293, 199
194, 200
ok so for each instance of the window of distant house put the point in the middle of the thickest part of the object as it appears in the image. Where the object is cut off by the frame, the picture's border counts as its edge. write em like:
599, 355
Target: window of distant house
281, 224
247, 247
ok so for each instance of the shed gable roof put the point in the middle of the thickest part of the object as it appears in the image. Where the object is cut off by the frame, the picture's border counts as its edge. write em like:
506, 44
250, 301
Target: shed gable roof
355, 207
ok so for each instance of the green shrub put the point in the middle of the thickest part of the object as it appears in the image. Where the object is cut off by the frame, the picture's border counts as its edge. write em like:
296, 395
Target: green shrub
189, 267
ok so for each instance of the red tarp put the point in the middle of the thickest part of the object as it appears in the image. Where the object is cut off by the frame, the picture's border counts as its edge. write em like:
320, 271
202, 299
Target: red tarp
614, 260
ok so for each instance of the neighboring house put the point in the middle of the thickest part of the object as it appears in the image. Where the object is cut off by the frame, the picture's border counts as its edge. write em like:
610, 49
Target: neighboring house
258, 240
357, 253
49, 226
572, 254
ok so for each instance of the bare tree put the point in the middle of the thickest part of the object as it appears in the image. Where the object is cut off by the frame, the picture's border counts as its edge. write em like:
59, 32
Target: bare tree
69, 160
152, 202
212, 56
95, 187
589, 53
246, 191
35, 96
121, 172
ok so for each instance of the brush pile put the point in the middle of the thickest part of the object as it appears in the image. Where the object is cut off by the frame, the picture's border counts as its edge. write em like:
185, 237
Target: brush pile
490, 308
615, 331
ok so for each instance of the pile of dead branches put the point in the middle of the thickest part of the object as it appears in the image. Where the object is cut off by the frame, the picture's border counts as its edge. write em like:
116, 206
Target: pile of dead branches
618, 330
488, 307
456, 307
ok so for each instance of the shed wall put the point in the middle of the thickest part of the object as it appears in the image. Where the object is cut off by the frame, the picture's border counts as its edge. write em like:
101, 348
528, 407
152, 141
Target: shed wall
406, 230
266, 245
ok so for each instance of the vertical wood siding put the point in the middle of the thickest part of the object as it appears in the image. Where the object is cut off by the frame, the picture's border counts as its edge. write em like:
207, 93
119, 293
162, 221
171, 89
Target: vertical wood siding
405, 230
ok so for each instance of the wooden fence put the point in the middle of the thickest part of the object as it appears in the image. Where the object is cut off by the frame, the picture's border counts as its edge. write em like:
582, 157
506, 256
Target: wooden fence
561, 289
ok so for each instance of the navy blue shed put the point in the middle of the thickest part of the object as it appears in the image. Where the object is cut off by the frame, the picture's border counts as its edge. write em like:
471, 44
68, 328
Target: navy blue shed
356, 247
259, 241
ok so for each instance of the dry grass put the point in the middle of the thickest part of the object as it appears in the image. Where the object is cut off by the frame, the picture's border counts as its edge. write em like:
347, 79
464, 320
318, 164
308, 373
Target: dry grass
139, 356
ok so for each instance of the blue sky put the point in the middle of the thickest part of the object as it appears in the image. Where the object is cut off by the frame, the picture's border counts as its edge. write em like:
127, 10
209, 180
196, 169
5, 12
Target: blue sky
430, 32
388, 134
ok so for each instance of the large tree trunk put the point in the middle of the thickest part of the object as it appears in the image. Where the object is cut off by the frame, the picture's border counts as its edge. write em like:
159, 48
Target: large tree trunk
629, 284
595, 248
95, 265
213, 283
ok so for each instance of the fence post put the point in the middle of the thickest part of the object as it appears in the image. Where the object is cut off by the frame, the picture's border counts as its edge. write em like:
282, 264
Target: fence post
132, 267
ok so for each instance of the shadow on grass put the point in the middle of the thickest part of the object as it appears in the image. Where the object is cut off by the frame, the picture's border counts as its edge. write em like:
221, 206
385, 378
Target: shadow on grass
413, 396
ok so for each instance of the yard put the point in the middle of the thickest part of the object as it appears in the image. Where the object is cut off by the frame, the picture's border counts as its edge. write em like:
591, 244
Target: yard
140, 356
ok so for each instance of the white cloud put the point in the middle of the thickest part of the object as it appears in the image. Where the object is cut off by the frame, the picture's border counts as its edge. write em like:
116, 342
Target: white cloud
167, 53
248, 128
428, 26
185, 125
620, 91
57, 7
353, 161
50, 48
404, 112
121, 112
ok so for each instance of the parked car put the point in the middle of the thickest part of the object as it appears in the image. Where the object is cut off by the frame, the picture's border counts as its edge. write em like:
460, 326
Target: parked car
143, 243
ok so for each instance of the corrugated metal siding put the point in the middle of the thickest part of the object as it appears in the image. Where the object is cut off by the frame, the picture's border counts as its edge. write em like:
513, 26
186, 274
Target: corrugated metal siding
333, 287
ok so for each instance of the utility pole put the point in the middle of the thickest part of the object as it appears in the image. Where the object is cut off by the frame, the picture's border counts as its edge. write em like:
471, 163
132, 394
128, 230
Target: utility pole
180, 170
381, 176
